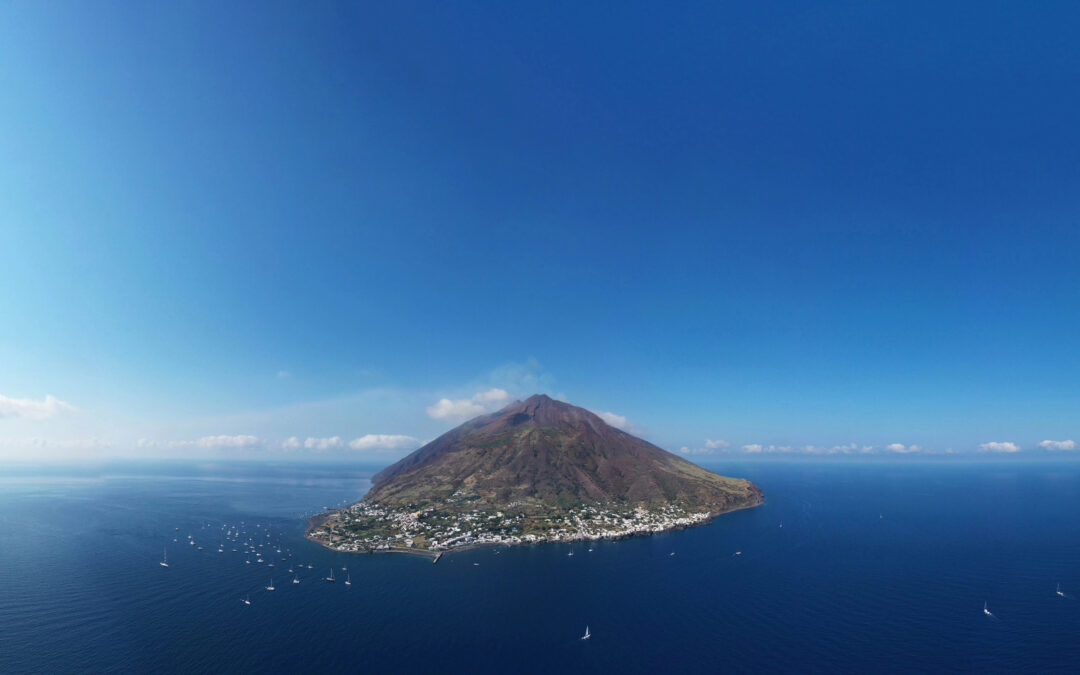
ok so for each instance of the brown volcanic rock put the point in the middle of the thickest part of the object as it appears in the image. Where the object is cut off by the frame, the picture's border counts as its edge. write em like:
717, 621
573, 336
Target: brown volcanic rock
557, 454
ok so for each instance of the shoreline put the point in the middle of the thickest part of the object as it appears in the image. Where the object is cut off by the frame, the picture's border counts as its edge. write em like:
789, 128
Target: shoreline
318, 519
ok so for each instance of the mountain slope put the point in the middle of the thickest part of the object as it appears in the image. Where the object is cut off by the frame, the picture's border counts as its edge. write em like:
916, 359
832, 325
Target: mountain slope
548, 453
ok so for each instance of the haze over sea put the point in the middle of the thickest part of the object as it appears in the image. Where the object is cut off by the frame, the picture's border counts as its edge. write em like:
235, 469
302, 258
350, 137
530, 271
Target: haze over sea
879, 566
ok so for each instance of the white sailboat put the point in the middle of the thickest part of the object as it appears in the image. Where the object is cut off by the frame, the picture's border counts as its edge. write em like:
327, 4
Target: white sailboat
295, 580
1059, 591
986, 609
271, 586
165, 560
247, 600
348, 580
331, 577
587, 634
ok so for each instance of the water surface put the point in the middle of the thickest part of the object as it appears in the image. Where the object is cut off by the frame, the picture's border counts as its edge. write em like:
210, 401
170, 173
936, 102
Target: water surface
878, 566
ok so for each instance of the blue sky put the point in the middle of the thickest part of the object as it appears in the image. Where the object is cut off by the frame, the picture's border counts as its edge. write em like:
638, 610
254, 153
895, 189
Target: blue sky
771, 224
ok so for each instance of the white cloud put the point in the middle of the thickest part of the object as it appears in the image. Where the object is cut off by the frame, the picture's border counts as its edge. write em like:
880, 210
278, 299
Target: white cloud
1058, 445
900, 447
324, 443
291, 443
999, 446
842, 449
28, 408
493, 396
69, 444
447, 409
752, 447
529, 377
383, 442
697, 451
223, 441
463, 408
617, 421
711, 448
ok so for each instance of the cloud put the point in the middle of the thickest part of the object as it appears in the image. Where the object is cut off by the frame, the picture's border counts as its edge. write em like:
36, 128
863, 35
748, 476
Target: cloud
323, 443
383, 442
617, 421
284, 373
1058, 445
480, 403
522, 378
697, 451
493, 396
711, 448
999, 446
71, 444
29, 409
223, 441
292, 443
753, 447
900, 447
447, 409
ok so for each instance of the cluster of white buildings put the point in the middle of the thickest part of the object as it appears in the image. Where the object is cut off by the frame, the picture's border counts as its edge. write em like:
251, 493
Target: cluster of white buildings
383, 528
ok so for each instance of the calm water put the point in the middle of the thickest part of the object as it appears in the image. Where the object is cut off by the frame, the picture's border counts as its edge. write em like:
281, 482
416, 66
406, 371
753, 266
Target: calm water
878, 567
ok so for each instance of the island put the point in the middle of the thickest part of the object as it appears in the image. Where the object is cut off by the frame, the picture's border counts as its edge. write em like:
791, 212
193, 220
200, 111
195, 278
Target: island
539, 470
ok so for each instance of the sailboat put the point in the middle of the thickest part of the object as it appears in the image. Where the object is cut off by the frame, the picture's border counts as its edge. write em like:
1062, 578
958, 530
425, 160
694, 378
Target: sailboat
331, 577
165, 561
348, 580
587, 634
295, 580
1059, 591
986, 609
247, 600
271, 586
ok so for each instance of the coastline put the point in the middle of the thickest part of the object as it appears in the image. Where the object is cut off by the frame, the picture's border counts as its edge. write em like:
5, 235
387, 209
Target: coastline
320, 518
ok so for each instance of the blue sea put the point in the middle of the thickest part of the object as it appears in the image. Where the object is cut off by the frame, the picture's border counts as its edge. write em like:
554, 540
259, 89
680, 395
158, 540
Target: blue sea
879, 566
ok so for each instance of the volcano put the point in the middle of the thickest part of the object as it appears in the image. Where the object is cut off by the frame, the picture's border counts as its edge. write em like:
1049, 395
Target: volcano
548, 453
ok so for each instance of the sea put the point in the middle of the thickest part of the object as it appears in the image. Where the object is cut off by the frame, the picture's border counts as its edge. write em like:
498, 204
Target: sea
850, 566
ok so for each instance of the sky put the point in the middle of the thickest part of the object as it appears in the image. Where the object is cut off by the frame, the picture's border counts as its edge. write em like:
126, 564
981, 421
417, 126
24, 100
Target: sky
339, 229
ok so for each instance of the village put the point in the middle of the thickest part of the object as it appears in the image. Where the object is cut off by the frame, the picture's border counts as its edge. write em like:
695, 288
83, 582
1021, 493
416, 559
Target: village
370, 527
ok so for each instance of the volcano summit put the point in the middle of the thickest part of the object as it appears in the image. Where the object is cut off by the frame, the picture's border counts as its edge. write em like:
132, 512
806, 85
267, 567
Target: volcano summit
537, 470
